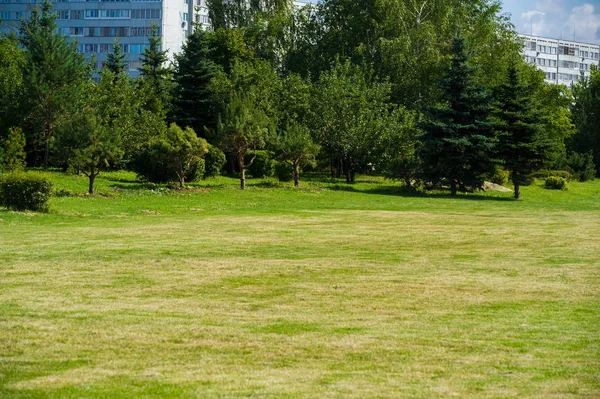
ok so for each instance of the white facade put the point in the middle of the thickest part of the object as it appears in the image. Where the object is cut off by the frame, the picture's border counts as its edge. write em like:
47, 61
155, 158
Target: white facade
563, 61
95, 24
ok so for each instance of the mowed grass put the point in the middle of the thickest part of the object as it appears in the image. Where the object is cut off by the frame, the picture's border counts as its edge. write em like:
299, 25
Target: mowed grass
328, 291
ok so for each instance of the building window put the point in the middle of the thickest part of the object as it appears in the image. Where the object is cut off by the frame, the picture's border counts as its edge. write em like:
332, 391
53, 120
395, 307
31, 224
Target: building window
107, 14
77, 14
135, 65
146, 14
62, 14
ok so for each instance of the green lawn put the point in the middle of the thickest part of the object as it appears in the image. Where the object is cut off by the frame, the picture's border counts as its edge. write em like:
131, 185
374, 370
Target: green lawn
328, 291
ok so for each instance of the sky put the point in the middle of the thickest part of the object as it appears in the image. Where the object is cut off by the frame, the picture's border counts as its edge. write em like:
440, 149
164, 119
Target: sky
567, 19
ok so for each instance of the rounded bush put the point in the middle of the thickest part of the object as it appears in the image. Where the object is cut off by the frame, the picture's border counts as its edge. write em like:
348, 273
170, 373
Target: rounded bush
263, 165
284, 171
214, 161
556, 183
151, 164
25, 192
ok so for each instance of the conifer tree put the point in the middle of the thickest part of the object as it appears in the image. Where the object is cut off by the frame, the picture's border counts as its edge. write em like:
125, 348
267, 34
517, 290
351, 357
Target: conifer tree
194, 69
54, 75
155, 82
523, 146
458, 139
115, 61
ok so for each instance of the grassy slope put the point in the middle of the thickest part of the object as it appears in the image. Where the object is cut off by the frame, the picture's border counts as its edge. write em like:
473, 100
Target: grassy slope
329, 291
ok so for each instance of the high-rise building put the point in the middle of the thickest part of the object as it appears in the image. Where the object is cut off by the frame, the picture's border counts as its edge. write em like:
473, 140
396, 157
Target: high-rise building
563, 61
95, 24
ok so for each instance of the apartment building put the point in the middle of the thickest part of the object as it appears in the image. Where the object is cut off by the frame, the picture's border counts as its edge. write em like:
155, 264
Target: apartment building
95, 24
563, 61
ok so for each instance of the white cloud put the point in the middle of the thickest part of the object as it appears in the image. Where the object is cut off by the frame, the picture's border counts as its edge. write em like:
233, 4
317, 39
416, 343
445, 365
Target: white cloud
534, 22
547, 18
584, 23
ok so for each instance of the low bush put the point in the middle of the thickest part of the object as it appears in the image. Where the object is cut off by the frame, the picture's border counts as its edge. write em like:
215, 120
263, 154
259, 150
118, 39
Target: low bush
544, 174
284, 171
500, 177
263, 165
581, 166
25, 192
152, 165
214, 161
556, 183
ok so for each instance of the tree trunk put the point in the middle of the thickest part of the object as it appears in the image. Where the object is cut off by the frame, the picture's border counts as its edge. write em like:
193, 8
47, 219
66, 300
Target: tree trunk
46, 151
331, 167
242, 171
453, 188
517, 191
182, 181
92, 177
296, 173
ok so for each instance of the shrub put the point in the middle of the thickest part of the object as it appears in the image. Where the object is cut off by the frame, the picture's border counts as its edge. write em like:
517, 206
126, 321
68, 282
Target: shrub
544, 174
13, 158
22, 192
500, 177
556, 183
263, 165
581, 166
152, 165
214, 161
284, 171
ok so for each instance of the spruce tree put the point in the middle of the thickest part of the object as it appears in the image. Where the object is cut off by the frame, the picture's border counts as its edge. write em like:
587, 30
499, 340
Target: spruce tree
155, 81
458, 139
115, 61
523, 146
194, 69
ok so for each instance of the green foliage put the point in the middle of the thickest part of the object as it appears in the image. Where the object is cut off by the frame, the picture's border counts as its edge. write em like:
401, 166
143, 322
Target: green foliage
586, 115
524, 146
214, 161
556, 183
500, 177
458, 139
12, 63
544, 174
25, 192
352, 117
284, 171
192, 102
13, 157
54, 75
581, 166
296, 145
243, 127
91, 144
115, 60
176, 155
263, 165
155, 81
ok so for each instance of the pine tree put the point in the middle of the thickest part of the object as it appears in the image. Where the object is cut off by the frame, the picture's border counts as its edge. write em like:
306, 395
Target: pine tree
54, 74
115, 61
155, 82
523, 146
458, 139
194, 70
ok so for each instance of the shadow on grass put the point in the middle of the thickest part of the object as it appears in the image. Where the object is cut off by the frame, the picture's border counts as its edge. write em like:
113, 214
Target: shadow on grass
407, 193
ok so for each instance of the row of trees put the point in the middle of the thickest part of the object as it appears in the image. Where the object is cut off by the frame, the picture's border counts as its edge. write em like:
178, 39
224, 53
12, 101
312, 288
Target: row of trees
431, 91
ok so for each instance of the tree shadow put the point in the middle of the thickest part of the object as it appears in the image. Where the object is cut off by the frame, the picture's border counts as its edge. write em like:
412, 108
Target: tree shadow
399, 191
